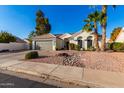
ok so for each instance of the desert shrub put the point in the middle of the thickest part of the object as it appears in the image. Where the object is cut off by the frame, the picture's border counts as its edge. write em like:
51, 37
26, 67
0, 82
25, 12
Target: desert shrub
116, 46
63, 54
31, 55
74, 47
110, 45
91, 48
77, 47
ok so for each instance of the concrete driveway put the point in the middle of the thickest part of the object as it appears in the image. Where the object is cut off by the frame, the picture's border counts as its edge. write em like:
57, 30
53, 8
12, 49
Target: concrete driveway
12, 55
11, 58
17, 80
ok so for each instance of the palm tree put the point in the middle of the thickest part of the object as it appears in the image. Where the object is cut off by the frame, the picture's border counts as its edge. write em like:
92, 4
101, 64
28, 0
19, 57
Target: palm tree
93, 18
104, 24
88, 26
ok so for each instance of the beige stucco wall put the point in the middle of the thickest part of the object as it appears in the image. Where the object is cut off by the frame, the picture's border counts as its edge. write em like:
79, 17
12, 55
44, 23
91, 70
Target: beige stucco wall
13, 46
84, 35
54, 43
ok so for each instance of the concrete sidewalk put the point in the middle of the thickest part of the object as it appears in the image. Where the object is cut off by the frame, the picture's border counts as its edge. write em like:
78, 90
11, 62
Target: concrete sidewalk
75, 75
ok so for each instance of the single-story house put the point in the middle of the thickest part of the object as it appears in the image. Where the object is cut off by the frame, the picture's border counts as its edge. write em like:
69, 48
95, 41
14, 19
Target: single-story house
61, 41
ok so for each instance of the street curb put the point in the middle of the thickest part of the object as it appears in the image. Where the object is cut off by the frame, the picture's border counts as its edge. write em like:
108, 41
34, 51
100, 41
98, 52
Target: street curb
83, 84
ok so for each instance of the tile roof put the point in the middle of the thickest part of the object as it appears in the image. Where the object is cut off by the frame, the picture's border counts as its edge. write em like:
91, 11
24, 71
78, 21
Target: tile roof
58, 35
45, 36
75, 34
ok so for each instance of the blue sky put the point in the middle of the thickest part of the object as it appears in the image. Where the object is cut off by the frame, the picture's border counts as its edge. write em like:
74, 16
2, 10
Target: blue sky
20, 20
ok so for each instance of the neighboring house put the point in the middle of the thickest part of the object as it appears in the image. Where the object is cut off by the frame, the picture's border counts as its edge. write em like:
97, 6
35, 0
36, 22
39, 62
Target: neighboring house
12, 46
120, 37
61, 41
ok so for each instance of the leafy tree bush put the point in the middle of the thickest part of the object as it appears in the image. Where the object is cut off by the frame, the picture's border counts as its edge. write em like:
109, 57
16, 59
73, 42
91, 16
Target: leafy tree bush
6, 37
31, 55
116, 46
42, 24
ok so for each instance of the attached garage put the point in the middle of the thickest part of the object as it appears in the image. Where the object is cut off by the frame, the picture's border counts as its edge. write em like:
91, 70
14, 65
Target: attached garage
44, 42
44, 45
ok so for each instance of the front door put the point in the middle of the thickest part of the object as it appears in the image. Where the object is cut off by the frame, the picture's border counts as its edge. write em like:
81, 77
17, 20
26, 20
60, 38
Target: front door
66, 46
80, 43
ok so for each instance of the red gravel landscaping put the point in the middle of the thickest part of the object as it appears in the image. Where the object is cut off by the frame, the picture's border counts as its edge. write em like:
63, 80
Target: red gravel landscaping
94, 60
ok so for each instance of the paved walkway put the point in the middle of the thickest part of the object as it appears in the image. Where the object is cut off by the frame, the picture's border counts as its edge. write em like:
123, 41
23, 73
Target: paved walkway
79, 76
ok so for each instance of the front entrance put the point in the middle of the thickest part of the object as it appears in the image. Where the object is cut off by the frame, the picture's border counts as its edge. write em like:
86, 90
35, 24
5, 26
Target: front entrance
80, 43
67, 45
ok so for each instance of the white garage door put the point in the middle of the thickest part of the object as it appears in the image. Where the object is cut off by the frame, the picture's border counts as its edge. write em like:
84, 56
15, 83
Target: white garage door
44, 45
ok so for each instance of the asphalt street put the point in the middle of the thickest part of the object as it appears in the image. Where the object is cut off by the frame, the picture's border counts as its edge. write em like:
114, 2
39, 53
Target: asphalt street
9, 81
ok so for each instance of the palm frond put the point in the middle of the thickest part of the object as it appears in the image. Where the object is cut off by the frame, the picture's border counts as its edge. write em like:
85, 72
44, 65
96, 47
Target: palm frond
87, 20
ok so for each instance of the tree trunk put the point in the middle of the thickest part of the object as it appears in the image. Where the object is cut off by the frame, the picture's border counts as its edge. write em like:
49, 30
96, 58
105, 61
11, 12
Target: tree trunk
104, 12
96, 37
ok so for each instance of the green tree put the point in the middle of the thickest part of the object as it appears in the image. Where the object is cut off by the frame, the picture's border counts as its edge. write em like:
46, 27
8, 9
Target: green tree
42, 23
31, 34
47, 26
6, 37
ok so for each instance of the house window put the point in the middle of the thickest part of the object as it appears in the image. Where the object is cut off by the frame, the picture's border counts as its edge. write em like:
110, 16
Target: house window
80, 43
79, 40
89, 42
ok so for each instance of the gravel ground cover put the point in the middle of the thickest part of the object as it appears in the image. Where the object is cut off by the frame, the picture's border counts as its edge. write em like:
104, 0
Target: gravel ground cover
113, 61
